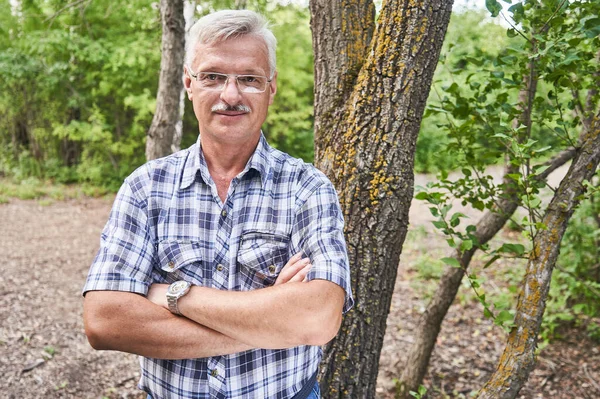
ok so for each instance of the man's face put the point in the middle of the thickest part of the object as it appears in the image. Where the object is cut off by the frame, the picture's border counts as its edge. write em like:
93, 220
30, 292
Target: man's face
246, 55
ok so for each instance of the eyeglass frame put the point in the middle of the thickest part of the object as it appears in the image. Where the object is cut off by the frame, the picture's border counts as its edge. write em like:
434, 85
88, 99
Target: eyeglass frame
229, 75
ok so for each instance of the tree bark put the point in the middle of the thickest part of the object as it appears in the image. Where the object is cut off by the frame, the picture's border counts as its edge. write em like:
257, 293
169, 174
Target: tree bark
369, 102
519, 355
167, 116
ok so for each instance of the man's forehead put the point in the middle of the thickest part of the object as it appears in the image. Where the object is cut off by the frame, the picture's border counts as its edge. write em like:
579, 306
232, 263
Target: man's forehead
248, 53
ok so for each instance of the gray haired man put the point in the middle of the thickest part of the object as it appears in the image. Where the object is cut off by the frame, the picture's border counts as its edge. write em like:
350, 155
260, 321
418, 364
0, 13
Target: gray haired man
224, 265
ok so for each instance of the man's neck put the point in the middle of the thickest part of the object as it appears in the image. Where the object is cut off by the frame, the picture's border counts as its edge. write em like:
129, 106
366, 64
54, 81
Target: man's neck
226, 161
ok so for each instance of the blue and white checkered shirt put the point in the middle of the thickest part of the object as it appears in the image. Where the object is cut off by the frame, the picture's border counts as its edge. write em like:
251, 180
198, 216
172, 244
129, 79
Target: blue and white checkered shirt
168, 223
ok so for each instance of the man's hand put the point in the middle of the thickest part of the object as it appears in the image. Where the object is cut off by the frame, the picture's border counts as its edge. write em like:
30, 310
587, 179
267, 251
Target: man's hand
295, 270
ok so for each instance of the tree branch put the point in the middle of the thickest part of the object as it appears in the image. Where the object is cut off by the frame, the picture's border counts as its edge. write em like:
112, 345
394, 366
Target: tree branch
66, 7
518, 358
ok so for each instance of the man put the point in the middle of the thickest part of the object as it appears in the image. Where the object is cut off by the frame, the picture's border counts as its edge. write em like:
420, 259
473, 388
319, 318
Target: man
249, 239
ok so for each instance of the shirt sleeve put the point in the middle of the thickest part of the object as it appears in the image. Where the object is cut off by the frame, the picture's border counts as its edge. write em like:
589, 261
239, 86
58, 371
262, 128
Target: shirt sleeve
319, 233
126, 256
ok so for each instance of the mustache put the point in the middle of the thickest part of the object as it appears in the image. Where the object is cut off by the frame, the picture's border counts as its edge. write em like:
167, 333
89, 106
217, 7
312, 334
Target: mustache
232, 108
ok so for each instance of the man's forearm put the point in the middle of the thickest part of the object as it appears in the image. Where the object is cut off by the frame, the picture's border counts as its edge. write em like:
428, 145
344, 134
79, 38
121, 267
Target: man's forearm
131, 323
275, 317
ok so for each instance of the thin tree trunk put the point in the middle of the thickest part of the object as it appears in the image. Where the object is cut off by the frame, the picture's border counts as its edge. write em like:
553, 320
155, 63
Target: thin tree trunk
413, 370
518, 358
189, 9
368, 110
163, 128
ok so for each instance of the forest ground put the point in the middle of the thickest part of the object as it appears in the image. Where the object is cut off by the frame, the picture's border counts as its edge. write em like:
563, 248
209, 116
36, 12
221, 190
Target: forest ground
47, 247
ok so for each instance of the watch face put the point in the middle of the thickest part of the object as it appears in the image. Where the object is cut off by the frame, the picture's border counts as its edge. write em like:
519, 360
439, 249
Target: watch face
178, 286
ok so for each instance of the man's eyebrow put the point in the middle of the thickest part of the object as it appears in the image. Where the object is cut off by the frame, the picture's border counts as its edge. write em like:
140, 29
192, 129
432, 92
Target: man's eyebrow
226, 70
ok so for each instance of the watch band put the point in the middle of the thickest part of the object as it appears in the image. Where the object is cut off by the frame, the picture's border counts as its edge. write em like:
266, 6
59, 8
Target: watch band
172, 302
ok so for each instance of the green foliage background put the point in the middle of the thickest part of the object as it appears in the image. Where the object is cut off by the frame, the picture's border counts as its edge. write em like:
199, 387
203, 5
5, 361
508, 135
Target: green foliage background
78, 87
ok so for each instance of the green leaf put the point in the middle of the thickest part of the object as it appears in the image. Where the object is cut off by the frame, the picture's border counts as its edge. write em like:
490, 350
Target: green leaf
439, 224
489, 262
498, 74
518, 12
516, 249
479, 205
466, 245
451, 262
421, 196
493, 7
503, 317
591, 27
475, 61
535, 202
454, 222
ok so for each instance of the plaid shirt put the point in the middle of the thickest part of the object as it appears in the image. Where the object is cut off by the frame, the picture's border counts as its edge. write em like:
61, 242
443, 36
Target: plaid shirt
168, 223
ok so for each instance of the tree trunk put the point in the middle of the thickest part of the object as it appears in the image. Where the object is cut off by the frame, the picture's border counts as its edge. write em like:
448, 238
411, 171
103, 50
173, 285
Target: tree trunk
369, 102
189, 9
519, 355
413, 370
163, 128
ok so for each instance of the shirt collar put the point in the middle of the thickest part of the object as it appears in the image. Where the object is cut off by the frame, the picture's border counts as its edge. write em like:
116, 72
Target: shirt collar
195, 163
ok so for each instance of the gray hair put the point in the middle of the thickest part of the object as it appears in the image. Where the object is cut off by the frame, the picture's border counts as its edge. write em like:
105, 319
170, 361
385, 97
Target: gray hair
229, 24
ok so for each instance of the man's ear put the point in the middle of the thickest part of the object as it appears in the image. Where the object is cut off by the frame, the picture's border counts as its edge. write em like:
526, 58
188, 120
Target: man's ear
272, 88
187, 81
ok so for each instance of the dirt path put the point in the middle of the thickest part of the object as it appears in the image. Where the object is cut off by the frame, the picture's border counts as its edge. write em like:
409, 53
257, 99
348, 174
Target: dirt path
44, 353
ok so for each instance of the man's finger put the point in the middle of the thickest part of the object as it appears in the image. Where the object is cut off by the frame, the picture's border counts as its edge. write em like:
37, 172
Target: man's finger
294, 265
290, 270
301, 275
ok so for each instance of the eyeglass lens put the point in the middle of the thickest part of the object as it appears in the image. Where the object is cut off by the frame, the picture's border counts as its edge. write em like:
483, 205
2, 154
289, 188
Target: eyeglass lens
246, 83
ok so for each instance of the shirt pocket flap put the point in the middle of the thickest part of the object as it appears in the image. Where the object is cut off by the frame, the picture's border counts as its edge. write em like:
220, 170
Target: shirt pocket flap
174, 255
263, 252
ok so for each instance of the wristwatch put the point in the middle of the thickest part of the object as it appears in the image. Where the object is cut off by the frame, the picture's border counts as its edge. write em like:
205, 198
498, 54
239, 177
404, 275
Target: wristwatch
176, 291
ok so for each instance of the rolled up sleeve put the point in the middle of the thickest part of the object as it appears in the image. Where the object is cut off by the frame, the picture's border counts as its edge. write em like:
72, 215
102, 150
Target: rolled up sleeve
126, 255
319, 234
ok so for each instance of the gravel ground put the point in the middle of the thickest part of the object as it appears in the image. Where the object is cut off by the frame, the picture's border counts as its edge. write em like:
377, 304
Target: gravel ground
48, 248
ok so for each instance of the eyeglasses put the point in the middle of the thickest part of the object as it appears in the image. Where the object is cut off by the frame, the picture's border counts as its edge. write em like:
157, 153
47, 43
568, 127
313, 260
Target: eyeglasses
245, 83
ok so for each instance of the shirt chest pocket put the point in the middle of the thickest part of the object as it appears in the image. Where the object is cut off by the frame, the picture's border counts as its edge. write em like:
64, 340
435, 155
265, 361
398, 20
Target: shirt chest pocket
181, 260
261, 256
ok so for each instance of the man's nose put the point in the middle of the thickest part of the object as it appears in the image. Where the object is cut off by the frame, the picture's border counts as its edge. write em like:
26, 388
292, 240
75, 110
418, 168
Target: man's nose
231, 93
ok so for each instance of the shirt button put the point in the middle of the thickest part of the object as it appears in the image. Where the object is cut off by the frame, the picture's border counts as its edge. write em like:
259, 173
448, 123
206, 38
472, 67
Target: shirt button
219, 267
272, 268
224, 213
171, 264
214, 372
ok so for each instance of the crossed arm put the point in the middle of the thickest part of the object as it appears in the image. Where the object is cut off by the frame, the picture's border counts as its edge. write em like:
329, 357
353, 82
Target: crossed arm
290, 313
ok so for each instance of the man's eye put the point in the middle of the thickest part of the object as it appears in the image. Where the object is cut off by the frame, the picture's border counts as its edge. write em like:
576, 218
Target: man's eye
212, 77
247, 79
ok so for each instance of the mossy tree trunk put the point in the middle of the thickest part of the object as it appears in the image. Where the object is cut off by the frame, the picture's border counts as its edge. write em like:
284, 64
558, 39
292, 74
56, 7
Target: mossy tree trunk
412, 371
167, 116
371, 85
518, 357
